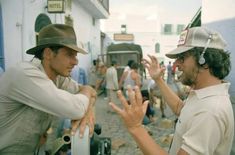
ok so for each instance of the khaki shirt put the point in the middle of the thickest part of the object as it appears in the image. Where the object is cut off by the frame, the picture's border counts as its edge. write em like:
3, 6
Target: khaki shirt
28, 102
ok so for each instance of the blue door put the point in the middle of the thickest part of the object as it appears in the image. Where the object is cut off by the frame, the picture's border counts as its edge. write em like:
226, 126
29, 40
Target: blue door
2, 62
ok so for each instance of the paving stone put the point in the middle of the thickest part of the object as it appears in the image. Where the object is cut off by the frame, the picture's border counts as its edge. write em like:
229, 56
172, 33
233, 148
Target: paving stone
166, 123
122, 142
117, 143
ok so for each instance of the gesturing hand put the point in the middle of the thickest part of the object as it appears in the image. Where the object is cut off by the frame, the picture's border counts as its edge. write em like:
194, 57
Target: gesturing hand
132, 114
153, 67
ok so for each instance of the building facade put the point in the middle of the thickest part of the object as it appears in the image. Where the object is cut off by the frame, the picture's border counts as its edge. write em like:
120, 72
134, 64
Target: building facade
20, 21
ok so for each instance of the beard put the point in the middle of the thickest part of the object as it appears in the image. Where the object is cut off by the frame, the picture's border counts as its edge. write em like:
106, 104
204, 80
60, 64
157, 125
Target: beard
189, 78
188, 82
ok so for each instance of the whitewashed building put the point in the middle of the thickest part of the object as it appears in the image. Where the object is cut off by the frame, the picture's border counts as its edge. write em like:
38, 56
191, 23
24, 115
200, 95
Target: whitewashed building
20, 20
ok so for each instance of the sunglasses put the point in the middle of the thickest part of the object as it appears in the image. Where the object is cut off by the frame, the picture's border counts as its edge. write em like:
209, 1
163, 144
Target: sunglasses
181, 57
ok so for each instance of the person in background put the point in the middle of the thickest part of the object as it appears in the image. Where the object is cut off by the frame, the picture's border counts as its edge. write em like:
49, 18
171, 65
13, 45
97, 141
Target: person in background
100, 85
205, 119
150, 112
34, 94
79, 75
169, 73
155, 95
112, 81
126, 69
1, 71
174, 69
162, 64
132, 78
92, 74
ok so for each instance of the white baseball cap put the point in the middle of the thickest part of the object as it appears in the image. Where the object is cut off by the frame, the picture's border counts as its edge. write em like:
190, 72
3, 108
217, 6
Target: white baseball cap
197, 37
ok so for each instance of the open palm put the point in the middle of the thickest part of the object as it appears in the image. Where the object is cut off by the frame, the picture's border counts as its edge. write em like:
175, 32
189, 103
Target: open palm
153, 67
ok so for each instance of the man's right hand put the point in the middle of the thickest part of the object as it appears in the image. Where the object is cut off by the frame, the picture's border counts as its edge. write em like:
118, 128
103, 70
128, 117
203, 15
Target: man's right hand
155, 70
133, 113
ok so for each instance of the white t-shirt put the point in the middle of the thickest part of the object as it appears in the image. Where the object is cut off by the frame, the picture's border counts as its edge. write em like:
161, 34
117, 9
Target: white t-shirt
127, 68
206, 123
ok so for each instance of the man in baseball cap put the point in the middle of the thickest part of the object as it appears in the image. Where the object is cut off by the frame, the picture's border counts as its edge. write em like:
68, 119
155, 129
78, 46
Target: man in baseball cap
197, 37
205, 119
33, 94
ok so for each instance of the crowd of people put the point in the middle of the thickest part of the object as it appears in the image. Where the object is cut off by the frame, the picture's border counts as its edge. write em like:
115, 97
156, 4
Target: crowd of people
54, 88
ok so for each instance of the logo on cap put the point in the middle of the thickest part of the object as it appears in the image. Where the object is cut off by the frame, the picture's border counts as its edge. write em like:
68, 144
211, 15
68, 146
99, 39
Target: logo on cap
183, 37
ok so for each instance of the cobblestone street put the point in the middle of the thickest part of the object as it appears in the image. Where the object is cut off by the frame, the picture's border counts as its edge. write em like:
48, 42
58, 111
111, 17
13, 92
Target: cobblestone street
122, 143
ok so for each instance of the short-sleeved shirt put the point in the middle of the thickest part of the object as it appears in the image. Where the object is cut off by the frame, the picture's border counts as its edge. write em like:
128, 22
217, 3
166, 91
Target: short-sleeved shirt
111, 78
206, 123
29, 101
126, 69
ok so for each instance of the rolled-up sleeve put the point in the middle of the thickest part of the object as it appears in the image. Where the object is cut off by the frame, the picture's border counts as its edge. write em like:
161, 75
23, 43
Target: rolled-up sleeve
33, 88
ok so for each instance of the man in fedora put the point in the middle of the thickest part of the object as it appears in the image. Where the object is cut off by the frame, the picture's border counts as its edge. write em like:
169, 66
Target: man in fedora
205, 123
33, 93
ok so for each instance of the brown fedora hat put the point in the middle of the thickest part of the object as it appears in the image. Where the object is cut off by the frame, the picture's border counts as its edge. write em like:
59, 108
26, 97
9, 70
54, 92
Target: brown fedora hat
57, 35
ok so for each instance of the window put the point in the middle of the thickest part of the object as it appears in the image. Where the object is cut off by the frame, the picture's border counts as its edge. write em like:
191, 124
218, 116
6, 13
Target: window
168, 29
157, 48
180, 28
123, 29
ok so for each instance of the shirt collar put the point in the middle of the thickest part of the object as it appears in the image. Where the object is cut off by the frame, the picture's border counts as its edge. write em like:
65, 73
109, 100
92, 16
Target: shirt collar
220, 89
38, 64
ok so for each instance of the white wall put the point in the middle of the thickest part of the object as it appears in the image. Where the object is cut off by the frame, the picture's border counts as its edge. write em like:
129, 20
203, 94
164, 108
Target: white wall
12, 33
19, 18
18, 28
220, 16
147, 41
87, 34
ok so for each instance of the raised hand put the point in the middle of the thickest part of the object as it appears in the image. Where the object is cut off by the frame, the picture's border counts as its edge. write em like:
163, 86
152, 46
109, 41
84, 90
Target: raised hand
153, 67
132, 114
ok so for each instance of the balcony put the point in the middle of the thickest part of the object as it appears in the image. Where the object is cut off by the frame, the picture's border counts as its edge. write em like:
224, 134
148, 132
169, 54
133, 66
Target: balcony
99, 9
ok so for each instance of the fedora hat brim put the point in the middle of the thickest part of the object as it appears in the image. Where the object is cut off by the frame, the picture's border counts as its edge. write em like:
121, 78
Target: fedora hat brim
40, 47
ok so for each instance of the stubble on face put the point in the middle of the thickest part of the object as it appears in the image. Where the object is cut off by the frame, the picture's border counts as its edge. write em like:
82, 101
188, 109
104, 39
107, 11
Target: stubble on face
61, 63
189, 76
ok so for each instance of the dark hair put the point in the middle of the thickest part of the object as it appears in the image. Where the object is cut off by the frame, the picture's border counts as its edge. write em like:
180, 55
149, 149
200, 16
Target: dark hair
114, 62
38, 54
134, 65
218, 60
94, 62
130, 62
